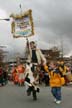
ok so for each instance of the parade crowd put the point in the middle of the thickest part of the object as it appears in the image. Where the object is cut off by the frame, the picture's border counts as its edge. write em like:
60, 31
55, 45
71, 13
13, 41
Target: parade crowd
37, 71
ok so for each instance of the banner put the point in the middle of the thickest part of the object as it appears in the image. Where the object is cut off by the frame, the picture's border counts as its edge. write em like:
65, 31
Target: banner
22, 25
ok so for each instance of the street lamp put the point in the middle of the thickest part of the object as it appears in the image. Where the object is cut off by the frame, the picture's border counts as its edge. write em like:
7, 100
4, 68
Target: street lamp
6, 19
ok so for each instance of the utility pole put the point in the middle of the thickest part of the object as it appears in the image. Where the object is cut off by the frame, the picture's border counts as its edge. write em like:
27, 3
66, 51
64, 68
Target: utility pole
20, 9
62, 51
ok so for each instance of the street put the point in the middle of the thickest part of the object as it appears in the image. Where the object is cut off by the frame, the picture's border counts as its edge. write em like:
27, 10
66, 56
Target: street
12, 96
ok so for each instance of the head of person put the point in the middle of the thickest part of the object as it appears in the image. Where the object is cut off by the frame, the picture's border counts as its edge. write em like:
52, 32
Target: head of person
53, 64
32, 44
62, 62
58, 63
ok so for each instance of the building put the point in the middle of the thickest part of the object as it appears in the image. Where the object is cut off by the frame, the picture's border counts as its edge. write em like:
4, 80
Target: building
51, 54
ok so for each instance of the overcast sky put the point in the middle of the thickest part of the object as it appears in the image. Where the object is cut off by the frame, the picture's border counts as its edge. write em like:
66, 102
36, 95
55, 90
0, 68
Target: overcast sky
52, 24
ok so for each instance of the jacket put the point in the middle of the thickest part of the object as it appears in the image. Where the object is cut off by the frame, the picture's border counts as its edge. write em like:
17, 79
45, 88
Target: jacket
40, 56
55, 78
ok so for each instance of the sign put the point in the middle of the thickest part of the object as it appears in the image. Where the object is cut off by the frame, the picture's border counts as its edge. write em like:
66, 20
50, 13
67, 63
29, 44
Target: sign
22, 25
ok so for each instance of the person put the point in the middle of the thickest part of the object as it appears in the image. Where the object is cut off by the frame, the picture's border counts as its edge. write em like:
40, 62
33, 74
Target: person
20, 70
62, 67
1, 76
5, 76
35, 57
55, 82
